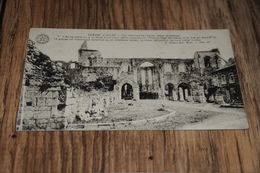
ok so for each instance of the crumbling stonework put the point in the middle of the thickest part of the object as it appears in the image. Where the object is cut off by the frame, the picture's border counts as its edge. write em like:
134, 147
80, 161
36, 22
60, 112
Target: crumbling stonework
88, 105
81, 91
38, 106
154, 78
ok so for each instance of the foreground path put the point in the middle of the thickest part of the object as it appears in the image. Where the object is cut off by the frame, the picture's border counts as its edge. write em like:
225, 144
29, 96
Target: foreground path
144, 115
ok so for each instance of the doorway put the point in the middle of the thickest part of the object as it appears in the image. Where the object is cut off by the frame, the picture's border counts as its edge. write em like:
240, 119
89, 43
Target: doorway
127, 92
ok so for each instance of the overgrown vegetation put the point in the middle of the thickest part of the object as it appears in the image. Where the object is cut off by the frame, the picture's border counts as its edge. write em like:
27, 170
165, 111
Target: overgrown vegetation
41, 71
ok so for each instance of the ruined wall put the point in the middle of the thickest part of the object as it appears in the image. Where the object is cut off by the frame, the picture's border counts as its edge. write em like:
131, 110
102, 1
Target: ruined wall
153, 80
229, 89
82, 103
39, 108
42, 105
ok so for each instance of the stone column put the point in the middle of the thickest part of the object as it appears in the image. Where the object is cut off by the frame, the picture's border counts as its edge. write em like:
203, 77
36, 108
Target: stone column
186, 96
135, 74
181, 94
118, 90
202, 97
136, 93
162, 95
174, 95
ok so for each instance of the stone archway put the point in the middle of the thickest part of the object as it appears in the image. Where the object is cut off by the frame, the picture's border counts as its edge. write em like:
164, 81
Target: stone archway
148, 80
132, 89
183, 92
127, 92
169, 92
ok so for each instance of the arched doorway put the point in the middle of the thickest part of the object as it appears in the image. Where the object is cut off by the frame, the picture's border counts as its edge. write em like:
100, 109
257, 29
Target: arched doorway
148, 81
127, 92
183, 92
169, 91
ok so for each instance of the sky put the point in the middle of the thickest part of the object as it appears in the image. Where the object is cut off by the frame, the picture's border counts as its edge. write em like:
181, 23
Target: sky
63, 44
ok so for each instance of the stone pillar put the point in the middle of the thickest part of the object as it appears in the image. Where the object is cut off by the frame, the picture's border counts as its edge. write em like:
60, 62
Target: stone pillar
136, 93
118, 90
181, 94
162, 95
186, 96
202, 97
174, 95
114, 73
135, 74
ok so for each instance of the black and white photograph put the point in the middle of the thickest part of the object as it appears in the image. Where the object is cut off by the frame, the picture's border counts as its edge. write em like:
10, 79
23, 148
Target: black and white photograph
130, 80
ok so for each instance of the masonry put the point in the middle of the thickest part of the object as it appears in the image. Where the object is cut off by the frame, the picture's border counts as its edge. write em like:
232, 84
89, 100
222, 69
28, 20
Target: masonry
88, 86
153, 78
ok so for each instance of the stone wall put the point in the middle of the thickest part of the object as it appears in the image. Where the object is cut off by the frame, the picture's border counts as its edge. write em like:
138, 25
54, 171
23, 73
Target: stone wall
85, 104
40, 110
38, 106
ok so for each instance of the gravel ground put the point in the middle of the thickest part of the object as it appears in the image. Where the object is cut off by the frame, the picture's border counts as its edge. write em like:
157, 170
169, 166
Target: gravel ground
188, 115
132, 111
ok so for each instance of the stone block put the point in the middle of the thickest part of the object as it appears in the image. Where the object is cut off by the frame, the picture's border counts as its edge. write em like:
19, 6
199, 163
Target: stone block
40, 101
51, 120
60, 119
28, 114
29, 94
51, 102
42, 121
28, 108
28, 122
47, 94
42, 114
98, 118
55, 94
42, 108
190, 98
37, 94
70, 101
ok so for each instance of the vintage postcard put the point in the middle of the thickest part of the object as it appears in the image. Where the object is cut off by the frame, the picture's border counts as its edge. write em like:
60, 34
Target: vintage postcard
130, 80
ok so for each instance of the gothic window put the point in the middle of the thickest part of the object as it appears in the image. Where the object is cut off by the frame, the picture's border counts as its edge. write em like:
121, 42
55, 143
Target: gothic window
223, 79
231, 78
207, 62
125, 67
182, 67
92, 60
146, 73
167, 68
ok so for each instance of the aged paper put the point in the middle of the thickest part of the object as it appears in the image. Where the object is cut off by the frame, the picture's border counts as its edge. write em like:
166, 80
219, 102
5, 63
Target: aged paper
130, 80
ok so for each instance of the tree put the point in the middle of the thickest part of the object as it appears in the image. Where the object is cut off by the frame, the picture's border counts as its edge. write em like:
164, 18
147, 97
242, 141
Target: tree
42, 69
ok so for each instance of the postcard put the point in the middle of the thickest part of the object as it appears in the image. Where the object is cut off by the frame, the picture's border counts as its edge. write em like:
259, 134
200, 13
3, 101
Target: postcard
130, 80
